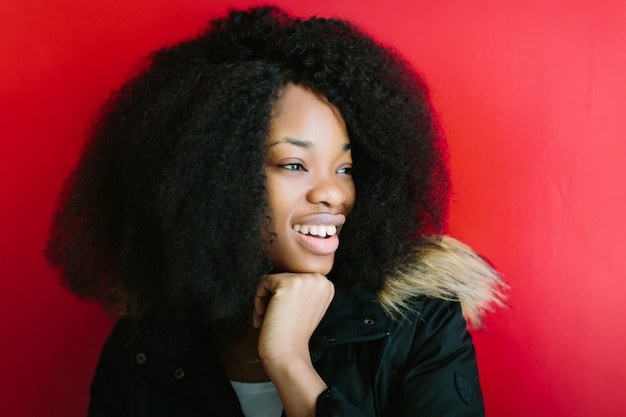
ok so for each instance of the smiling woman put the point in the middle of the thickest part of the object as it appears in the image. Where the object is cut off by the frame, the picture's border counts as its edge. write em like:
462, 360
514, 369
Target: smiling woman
309, 182
263, 207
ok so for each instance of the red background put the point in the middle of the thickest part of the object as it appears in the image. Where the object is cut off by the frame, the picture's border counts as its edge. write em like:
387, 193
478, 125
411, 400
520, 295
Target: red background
533, 100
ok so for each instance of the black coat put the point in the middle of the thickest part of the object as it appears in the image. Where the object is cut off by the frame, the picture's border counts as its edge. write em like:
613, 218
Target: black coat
422, 365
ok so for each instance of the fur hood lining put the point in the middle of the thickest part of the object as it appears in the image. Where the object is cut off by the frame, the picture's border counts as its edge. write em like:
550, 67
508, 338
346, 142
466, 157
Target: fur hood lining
442, 267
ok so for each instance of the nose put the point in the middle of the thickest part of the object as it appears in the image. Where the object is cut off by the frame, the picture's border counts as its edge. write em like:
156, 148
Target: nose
329, 191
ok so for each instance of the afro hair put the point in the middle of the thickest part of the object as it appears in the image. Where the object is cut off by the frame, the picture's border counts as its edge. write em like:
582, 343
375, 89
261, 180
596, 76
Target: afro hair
164, 214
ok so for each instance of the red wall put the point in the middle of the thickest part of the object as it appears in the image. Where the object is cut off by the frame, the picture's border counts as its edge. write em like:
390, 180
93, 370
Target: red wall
533, 100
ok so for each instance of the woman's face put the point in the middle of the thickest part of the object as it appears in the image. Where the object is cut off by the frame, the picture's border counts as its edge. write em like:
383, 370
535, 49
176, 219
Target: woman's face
309, 182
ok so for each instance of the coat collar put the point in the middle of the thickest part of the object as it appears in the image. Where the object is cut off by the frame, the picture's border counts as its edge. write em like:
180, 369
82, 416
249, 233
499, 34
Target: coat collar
352, 316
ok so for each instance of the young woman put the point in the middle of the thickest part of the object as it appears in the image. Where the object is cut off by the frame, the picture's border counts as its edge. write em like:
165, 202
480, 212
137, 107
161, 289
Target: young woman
263, 206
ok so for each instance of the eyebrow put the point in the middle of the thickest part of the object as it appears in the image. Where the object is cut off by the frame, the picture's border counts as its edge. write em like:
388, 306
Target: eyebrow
305, 143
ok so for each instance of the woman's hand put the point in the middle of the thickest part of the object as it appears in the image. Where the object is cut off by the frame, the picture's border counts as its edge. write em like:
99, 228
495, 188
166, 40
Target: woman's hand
288, 307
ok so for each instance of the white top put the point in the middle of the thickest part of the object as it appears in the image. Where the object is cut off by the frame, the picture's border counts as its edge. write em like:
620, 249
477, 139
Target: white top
258, 399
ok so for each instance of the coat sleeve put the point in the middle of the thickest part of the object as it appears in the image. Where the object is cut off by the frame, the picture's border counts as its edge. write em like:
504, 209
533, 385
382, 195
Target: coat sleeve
439, 377
331, 403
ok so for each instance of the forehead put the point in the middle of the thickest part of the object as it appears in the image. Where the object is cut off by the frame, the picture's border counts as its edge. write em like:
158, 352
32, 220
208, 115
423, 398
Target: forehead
306, 117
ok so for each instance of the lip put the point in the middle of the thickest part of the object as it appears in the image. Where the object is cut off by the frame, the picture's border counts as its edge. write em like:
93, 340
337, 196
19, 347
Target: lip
325, 219
316, 245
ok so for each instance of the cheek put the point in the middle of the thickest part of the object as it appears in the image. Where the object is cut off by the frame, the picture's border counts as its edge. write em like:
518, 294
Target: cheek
350, 197
274, 197
281, 199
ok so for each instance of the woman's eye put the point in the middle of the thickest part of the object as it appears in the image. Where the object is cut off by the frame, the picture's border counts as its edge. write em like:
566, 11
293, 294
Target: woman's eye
293, 167
345, 171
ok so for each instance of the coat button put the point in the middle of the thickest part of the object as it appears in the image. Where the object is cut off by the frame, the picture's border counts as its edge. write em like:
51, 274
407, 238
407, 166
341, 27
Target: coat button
369, 322
141, 358
179, 373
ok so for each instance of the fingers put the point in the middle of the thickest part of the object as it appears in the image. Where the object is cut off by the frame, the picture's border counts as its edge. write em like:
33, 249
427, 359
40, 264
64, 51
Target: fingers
292, 291
261, 298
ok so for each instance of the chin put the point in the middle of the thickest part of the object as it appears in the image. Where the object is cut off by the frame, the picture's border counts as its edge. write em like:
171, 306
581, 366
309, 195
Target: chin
320, 266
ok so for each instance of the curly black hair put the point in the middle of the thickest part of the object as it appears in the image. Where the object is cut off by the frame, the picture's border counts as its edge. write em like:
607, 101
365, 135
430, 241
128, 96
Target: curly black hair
164, 214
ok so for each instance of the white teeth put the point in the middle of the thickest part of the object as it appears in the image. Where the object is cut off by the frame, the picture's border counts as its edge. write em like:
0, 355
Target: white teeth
316, 230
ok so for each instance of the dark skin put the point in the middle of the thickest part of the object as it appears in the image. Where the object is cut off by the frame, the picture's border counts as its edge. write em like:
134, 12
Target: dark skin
310, 192
241, 358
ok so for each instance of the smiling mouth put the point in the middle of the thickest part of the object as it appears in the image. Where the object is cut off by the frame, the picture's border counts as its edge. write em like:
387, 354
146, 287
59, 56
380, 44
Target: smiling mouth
317, 239
320, 231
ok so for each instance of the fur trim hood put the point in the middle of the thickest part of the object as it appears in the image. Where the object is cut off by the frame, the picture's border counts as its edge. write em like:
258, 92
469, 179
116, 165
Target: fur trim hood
442, 267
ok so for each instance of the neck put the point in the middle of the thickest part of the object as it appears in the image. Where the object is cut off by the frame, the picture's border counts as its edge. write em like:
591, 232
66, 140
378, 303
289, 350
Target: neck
240, 358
